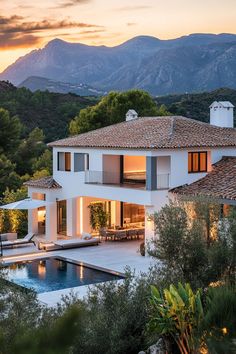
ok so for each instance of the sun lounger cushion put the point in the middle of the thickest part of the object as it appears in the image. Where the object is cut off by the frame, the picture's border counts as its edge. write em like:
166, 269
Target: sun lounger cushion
76, 243
86, 236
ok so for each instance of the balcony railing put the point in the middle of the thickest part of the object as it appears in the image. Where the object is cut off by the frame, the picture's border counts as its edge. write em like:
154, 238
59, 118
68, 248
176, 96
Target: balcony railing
101, 177
113, 178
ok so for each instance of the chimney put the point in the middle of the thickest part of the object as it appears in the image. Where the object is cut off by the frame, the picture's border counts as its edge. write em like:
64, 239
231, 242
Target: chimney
222, 114
131, 114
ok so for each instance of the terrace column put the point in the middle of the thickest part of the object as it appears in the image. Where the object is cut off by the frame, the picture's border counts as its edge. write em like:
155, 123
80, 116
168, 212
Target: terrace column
151, 173
71, 214
51, 222
149, 224
33, 221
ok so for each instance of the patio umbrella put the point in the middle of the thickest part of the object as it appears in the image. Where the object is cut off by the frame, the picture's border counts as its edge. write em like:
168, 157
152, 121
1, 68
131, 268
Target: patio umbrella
26, 204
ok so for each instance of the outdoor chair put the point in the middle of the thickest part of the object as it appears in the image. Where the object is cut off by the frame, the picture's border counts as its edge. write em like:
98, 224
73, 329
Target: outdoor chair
140, 232
120, 235
106, 234
132, 234
19, 242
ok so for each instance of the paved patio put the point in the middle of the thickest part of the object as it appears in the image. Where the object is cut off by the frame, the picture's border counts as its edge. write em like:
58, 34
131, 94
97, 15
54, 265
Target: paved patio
115, 256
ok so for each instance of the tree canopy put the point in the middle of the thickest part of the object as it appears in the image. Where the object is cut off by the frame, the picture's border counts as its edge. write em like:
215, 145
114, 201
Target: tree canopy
46, 110
112, 109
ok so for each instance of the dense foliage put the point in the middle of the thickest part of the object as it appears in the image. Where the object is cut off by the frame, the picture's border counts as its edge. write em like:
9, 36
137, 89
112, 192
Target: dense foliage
21, 157
51, 112
196, 105
177, 312
196, 322
185, 252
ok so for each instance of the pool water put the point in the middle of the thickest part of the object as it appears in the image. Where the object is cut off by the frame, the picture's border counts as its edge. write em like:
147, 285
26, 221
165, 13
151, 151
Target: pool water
44, 275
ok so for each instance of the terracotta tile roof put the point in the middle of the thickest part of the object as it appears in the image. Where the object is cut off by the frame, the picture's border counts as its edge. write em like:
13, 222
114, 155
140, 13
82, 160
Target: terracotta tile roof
154, 133
220, 183
45, 182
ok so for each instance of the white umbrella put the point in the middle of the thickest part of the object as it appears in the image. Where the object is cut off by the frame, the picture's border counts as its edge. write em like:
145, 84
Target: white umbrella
26, 204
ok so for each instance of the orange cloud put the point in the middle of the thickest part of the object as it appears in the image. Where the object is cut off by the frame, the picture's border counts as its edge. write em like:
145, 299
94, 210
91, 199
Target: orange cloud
17, 33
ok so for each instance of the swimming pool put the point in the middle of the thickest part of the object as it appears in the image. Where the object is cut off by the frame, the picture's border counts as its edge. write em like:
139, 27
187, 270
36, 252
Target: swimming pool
49, 274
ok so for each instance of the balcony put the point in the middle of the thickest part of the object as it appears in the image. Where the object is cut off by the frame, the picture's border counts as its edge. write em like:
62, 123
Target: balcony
113, 179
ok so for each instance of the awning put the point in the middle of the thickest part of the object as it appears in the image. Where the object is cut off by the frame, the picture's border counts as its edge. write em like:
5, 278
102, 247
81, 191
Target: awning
26, 204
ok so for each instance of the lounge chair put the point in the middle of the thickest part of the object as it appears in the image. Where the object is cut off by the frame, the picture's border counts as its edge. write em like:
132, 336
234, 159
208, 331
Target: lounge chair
19, 242
70, 243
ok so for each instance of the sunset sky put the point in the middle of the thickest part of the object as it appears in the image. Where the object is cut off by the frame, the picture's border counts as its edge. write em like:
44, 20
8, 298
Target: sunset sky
29, 24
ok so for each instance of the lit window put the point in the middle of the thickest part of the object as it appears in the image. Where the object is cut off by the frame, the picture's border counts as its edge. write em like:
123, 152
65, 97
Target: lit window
197, 162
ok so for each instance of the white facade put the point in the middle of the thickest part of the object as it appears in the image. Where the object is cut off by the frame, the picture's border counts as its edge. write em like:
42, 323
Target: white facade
172, 167
95, 174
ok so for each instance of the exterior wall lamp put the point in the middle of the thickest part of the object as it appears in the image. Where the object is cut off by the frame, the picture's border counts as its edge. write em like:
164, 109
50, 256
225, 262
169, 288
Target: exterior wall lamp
150, 217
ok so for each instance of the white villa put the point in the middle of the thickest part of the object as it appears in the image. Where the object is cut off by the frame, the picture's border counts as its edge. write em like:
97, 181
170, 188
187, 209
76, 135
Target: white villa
132, 168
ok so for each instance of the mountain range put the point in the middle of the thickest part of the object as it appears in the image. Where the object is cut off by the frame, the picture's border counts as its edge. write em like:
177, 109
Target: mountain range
194, 63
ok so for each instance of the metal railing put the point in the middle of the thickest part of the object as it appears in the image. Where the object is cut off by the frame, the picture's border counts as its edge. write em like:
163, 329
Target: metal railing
101, 177
104, 177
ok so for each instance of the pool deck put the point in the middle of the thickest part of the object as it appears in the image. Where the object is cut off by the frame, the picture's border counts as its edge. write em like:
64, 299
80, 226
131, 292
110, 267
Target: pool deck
114, 256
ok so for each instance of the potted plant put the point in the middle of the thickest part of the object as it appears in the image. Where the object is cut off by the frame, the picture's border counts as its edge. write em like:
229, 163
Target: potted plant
98, 216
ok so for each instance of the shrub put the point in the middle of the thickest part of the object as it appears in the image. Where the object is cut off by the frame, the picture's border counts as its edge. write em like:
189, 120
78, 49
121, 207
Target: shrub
177, 312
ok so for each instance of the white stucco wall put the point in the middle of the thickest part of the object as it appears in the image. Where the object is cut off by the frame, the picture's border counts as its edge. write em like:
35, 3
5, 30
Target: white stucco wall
174, 162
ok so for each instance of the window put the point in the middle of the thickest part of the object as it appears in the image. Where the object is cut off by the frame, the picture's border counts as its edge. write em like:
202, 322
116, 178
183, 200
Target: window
61, 217
81, 162
64, 161
197, 162
133, 213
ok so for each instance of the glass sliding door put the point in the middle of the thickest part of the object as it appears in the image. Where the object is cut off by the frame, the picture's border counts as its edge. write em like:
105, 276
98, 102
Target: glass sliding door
133, 214
61, 217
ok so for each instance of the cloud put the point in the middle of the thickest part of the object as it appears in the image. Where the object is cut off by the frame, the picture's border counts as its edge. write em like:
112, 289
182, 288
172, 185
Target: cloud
131, 24
70, 3
92, 31
12, 41
13, 25
9, 20
133, 8
16, 32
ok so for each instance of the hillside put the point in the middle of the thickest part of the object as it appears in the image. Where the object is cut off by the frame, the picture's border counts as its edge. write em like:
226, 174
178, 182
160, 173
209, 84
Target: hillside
49, 111
194, 63
34, 83
196, 106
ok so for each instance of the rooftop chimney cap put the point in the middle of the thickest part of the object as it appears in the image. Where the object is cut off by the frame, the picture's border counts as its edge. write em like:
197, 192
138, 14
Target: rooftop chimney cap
131, 114
222, 114
224, 104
